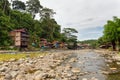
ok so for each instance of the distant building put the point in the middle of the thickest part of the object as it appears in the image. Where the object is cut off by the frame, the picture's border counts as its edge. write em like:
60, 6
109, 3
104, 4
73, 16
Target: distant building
20, 38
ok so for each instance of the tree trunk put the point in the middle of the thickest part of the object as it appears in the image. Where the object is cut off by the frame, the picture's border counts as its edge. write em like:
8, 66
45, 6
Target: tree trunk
113, 45
4, 6
119, 45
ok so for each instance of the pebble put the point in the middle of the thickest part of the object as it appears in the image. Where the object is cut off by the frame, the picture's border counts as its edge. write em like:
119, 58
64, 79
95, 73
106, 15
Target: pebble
75, 70
84, 79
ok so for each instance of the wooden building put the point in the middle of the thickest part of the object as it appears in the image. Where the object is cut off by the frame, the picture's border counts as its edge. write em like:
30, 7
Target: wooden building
20, 38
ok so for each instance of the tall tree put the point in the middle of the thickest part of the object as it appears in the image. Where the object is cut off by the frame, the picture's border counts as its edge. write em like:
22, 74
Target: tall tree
110, 33
5, 6
47, 13
70, 37
51, 30
18, 5
33, 7
69, 32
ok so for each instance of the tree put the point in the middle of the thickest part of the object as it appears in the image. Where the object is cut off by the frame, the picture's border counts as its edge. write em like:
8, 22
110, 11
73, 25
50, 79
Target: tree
18, 5
33, 7
111, 32
5, 28
71, 39
47, 13
69, 32
51, 30
11, 19
4, 6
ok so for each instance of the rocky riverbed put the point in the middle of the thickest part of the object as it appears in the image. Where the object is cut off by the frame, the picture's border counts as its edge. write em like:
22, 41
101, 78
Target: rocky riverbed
63, 65
40, 68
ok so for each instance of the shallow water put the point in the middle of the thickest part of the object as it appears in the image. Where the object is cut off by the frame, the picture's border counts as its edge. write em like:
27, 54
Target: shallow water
92, 64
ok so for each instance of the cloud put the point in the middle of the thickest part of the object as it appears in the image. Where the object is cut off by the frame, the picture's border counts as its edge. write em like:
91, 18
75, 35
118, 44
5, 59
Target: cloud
84, 15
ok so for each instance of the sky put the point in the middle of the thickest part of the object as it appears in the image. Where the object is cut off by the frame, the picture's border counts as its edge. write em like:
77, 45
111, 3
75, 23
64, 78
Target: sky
87, 16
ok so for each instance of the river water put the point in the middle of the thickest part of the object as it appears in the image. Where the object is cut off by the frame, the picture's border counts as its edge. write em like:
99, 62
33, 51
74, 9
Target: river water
92, 64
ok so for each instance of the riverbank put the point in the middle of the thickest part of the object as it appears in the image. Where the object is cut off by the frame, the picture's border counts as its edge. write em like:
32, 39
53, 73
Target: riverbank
111, 55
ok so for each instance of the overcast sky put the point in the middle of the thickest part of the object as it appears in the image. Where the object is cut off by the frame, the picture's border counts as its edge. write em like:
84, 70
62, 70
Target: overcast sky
86, 16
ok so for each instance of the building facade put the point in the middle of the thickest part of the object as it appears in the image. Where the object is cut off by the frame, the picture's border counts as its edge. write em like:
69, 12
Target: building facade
20, 38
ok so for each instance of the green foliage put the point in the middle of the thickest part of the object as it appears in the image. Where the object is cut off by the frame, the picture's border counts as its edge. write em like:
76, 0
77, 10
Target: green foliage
69, 34
112, 32
11, 19
46, 13
18, 5
50, 28
69, 37
5, 27
5, 6
7, 57
33, 7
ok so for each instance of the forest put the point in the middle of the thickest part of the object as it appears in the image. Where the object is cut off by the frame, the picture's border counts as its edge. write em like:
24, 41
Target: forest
16, 14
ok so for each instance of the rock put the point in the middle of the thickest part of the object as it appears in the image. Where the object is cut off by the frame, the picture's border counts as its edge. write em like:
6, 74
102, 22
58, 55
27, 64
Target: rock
29, 77
73, 60
113, 68
37, 72
20, 77
93, 78
69, 75
118, 63
108, 61
84, 79
75, 70
68, 67
6, 64
21, 60
74, 77
12, 60
81, 74
13, 73
1, 63
15, 67
8, 77
52, 66
3, 69
39, 77
41, 56
105, 72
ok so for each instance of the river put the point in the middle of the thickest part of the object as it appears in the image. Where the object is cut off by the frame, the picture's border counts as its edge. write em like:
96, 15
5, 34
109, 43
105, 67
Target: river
93, 65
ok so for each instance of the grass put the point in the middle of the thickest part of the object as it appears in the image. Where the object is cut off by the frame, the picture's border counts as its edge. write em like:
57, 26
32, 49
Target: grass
7, 57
